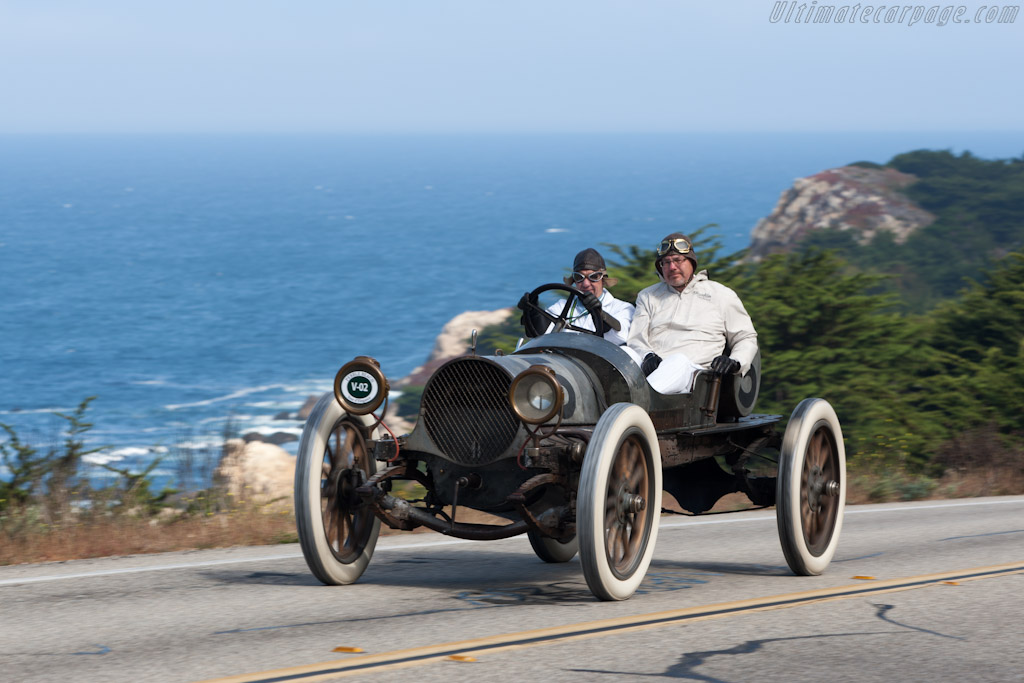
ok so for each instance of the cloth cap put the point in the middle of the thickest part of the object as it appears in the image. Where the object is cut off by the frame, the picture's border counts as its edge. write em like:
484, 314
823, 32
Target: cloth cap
589, 259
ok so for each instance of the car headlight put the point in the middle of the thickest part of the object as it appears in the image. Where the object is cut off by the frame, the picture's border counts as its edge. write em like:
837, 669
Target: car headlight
360, 386
535, 394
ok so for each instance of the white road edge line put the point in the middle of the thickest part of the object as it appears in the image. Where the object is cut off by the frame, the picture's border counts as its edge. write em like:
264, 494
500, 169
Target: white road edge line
434, 544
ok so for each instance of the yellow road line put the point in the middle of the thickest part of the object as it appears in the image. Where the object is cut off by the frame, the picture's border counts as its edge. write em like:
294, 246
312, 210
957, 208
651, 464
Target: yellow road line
417, 656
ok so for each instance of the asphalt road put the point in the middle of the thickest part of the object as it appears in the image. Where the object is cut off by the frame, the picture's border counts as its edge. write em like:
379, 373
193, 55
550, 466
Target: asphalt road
917, 592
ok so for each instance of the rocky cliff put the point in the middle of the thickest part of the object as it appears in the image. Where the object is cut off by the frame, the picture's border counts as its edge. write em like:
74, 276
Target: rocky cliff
454, 340
850, 198
257, 473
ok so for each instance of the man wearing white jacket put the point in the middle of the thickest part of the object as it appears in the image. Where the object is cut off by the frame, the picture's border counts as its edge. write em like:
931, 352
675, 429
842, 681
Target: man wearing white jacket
590, 276
685, 322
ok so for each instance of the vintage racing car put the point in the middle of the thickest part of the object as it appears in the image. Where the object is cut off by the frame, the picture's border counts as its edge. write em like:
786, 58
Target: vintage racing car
566, 440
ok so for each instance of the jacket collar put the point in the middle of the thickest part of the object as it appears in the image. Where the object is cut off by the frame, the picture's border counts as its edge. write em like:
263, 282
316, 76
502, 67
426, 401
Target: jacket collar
701, 276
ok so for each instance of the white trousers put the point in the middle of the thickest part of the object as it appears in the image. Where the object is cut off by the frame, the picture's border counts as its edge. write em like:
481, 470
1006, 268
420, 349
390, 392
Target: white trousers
674, 375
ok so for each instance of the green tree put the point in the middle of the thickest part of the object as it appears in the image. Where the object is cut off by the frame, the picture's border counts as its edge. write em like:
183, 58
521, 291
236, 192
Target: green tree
25, 467
822, 333
979, 341
133, 493
48, 479
63, 480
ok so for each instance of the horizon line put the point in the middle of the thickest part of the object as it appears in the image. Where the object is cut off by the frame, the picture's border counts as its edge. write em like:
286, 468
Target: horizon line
381, 133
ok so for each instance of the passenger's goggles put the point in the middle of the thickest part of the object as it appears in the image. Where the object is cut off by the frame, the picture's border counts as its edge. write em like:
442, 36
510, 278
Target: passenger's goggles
593, 277
679, 244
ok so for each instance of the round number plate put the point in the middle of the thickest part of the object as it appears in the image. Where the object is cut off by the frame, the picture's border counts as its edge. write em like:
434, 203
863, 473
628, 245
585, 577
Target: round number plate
360, 387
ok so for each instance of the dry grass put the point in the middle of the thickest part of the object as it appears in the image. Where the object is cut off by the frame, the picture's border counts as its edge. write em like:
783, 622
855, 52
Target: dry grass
124, 535
991, 481
127, 535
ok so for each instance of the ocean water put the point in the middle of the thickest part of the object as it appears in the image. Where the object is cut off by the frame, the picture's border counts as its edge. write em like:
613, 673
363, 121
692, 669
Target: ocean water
186, 280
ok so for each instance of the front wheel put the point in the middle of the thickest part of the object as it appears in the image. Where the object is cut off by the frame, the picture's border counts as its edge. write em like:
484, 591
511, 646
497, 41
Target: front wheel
619, 502
337, 531
811, 487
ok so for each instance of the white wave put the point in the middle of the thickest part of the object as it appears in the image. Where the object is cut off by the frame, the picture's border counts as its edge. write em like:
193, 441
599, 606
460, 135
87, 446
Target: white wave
118, 454
556, 230
128, 452
36, 411
312, 386
221, 419
151, 382
200, 444
237, 394
101, 458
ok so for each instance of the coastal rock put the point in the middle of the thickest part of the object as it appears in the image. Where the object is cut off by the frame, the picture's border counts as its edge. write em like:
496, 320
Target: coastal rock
257, 472
454, 340
307, 408
277, 438
857, 198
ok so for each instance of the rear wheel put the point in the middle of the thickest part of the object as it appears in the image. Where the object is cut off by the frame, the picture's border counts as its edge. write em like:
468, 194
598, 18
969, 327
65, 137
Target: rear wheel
551, 549
619, 502
811, 487
337, 531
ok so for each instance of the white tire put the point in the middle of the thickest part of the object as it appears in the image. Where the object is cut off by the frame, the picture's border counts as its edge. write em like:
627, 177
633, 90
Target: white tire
811, 487
619, 502
336, 531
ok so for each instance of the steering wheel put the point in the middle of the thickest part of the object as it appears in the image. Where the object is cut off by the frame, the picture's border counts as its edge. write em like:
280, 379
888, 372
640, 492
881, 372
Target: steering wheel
561, 321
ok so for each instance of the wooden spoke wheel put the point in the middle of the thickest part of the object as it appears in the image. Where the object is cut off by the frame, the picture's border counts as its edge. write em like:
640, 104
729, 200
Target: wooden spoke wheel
337, 531
811, 487
347, 523
619, 502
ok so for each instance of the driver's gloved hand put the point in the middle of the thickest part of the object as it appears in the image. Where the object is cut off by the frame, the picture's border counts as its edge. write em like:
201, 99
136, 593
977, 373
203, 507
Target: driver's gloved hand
533, 321
597, 317
723, 365
590, 302
650, 364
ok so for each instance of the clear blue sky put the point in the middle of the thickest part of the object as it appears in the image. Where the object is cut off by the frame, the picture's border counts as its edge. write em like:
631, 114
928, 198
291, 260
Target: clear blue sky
494, 65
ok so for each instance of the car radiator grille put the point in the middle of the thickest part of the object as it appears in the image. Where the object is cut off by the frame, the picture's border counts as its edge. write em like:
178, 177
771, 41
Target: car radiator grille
466, 411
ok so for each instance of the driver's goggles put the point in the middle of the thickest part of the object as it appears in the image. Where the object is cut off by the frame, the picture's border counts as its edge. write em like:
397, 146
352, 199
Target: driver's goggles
593, 277
679, 244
